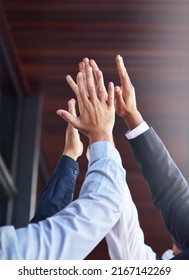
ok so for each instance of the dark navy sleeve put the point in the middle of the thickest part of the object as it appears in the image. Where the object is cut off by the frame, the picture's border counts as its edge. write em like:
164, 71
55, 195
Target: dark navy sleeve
182, 256
59, 191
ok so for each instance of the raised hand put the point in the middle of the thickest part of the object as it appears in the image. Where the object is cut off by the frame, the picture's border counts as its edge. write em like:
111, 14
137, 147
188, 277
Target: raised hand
73, 145
125, 98
96, 106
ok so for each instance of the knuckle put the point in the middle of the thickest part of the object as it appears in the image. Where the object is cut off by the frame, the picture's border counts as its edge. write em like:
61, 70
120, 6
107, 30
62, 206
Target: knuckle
90, 88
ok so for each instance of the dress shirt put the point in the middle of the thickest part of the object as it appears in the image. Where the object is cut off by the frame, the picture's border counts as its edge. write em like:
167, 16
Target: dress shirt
126, 239
167, 255
77, 229
141, 128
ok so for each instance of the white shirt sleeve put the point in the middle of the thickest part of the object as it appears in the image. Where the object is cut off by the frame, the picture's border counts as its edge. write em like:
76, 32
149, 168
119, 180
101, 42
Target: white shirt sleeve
76, 230
131, 134
126, 239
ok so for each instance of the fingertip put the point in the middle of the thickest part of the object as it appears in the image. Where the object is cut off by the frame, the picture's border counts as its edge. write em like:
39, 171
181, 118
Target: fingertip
117, 89
68, 77
111, 85
86, 60
118, 57
60, 112
71, 102
72, 107
92, 62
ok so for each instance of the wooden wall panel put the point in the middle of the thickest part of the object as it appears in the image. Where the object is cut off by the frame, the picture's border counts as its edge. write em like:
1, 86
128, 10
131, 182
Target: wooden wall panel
153, 37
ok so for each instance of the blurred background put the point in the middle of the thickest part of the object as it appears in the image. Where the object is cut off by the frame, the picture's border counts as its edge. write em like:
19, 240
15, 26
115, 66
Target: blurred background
41, 41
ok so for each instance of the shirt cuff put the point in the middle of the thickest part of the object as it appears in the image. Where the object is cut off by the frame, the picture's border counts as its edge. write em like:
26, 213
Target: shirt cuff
67, 165
141, 128
102, 149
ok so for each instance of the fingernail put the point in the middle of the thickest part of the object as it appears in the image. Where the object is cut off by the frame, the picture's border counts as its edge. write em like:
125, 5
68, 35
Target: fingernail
120, 57
85, 59
58, 112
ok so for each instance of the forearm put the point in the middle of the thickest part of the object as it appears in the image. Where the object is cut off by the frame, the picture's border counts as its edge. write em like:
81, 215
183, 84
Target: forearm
169, 189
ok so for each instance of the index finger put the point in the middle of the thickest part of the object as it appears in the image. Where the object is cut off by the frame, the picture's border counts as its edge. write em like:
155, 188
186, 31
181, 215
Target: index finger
72, 84
75, 89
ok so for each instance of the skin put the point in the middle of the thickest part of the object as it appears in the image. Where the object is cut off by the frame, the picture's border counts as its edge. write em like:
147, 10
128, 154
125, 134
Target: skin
73, 145
126, 107
96, 105
125, 98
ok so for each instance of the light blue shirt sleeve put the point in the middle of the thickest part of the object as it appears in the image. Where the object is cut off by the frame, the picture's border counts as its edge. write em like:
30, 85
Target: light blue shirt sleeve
76, 230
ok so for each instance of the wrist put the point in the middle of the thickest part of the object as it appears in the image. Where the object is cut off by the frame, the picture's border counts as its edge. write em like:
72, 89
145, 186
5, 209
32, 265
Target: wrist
133, 119
70, 154
103, 136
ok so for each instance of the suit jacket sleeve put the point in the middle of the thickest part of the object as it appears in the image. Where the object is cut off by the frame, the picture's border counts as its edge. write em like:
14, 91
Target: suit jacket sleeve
59, 191
168, 187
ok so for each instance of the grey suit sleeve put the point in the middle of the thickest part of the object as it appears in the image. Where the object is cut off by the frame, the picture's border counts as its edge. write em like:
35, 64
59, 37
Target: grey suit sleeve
168, 187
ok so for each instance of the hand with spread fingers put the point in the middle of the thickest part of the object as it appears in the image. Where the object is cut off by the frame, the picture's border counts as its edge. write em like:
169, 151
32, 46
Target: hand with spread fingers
96, 106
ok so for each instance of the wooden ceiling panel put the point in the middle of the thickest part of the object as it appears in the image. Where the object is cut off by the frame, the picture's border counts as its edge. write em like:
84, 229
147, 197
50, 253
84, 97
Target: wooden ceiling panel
153, 37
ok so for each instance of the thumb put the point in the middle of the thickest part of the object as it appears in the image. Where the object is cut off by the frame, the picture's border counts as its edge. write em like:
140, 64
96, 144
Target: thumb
68, 117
